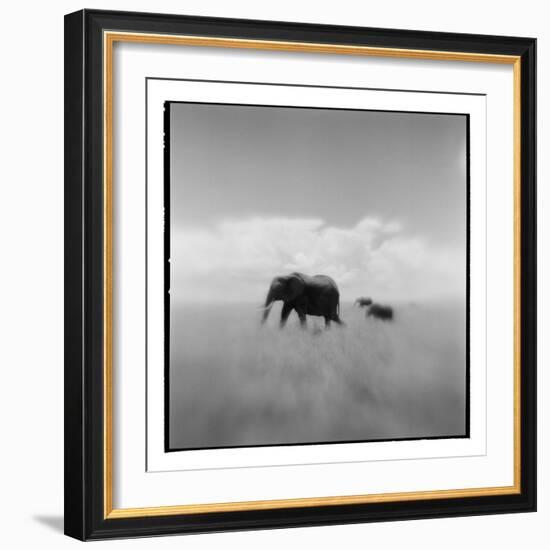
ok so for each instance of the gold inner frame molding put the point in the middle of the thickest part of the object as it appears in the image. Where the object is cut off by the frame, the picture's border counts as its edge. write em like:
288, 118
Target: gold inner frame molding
109, 39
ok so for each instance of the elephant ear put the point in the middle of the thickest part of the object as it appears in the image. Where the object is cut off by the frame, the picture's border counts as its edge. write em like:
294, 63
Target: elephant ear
294, 286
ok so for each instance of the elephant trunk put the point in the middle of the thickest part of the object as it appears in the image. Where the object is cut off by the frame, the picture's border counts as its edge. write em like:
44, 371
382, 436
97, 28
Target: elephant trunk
268, 303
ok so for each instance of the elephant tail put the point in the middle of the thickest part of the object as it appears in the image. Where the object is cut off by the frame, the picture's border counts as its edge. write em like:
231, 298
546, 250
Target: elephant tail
338, 319
338, 313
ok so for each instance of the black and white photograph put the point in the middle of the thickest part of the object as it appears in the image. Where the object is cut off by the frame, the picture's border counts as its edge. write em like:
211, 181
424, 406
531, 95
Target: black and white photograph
318, 275
300, 275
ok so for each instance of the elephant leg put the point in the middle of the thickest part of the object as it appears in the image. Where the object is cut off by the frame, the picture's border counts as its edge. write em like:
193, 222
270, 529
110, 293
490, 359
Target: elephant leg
302, 316
285, 312
327, 322
337, 319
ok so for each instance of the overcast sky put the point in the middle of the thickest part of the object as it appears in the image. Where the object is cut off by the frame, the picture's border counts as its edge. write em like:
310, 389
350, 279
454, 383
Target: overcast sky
377, 200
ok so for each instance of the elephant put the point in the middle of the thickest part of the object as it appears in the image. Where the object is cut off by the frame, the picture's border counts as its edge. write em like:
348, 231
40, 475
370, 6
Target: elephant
362, 302
384, 313
317, 295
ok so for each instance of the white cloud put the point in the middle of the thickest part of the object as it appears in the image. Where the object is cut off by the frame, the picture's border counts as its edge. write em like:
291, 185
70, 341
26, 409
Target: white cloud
236, 260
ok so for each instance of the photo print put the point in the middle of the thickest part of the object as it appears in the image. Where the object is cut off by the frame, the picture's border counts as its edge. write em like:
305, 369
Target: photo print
316, 275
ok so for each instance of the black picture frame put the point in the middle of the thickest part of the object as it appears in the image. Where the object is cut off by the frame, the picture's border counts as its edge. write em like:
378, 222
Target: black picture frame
85, 512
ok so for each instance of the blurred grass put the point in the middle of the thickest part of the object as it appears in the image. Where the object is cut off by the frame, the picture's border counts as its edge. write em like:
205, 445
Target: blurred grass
234, 382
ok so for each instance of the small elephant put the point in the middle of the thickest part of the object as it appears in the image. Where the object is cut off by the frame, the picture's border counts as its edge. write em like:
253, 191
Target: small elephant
317, 295
384, 313
362, 302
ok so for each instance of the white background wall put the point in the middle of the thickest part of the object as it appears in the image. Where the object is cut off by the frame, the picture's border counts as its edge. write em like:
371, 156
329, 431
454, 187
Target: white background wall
31, 289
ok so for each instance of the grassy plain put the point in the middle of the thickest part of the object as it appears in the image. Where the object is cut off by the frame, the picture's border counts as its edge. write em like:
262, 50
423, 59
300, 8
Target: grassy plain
234, 382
